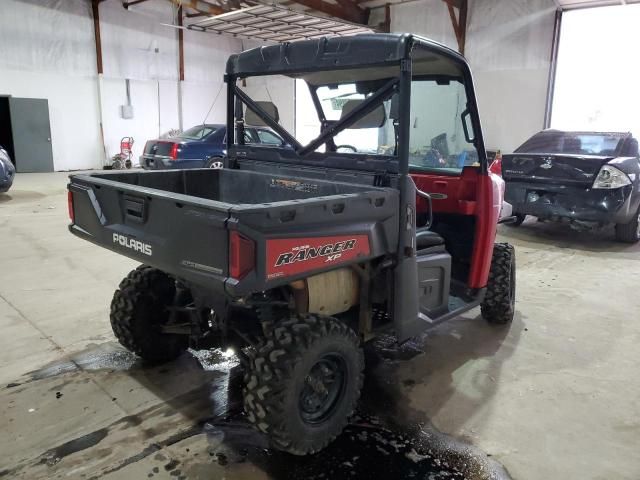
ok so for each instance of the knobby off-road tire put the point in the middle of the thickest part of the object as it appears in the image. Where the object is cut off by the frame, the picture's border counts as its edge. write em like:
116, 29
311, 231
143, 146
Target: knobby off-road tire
303, 382
629, 232
498, 305
139, 309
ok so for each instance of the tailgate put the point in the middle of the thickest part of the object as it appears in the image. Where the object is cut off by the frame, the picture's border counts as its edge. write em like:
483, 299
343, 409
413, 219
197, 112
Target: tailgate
179, 234
575, 170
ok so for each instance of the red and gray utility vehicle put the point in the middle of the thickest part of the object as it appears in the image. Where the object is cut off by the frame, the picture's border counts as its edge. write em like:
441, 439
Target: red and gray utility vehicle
380, 216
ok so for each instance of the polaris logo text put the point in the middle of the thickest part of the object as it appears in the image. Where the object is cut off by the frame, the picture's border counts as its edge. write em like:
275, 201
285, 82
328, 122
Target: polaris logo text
133, 244
331, 251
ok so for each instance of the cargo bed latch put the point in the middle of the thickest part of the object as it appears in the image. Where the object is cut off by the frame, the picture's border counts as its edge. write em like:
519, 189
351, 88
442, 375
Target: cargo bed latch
135, 209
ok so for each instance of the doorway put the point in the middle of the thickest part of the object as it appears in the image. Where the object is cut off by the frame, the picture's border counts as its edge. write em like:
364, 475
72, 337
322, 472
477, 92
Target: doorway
596, 81
25, 133
6, 135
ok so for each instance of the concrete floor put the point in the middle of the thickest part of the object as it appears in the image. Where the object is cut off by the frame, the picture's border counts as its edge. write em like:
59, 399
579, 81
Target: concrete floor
555, 395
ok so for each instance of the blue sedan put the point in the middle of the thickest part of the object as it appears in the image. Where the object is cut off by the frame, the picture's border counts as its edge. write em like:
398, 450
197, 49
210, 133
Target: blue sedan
200, 146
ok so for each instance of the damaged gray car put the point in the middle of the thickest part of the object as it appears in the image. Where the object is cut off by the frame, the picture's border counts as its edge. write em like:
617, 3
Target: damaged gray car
586, 179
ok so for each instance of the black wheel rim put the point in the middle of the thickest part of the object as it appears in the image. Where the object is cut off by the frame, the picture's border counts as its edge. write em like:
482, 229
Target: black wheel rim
323, 388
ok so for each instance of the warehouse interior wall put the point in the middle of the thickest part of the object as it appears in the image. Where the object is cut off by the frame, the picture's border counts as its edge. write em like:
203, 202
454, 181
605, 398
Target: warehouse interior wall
47, 51
508, 46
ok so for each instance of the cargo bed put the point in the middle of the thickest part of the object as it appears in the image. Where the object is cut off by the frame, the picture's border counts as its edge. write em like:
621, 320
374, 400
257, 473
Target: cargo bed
180, 221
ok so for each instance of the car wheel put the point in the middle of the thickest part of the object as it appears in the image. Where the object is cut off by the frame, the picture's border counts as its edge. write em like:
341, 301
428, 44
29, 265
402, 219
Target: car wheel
629, 232
214, 162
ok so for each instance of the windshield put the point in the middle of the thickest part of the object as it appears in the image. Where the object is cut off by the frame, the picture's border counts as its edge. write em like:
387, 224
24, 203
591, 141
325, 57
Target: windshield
197, 133
441, 136
573, 143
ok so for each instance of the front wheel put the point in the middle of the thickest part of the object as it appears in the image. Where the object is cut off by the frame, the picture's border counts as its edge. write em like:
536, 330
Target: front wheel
303, 382
499, 301
629, 232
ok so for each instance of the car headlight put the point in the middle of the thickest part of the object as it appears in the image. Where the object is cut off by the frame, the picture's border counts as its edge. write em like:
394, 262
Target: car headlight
611, 177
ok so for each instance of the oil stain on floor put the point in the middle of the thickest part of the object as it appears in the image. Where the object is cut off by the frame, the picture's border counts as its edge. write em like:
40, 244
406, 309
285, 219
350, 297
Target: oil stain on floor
184, 420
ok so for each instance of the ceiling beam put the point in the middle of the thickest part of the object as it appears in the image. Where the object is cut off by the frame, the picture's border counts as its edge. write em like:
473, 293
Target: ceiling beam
344, 9
459, 22
200, 6
132, 2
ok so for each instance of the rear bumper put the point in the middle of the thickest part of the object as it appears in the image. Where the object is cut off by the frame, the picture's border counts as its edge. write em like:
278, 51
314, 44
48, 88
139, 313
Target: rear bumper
572, 203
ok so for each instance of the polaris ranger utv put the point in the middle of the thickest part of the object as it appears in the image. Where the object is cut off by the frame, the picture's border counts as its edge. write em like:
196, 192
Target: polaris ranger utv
379, 215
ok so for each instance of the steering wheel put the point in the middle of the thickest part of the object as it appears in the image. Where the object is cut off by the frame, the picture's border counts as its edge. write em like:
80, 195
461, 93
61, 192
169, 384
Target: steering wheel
347, 147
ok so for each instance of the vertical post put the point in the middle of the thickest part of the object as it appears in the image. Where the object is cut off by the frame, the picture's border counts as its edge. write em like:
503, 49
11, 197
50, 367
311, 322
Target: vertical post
462, 26
406, 313
553, 63
459, 24
405, 116
180, 67
231, 100
95, 10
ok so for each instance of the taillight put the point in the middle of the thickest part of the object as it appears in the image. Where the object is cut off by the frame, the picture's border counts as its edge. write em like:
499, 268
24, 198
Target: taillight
70, 206
610, 177
174, 151
496, 165
242, 255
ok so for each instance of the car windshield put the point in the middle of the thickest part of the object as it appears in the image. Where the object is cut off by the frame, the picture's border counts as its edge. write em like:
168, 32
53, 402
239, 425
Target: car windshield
573, 143
198, 132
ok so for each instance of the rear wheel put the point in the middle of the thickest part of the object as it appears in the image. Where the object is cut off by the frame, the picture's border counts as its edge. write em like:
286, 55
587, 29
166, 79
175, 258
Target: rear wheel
214, 162
140, 307
629, 232
499, 301
303, 382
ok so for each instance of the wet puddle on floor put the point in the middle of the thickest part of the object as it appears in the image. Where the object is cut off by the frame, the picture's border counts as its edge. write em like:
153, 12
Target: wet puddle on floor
384, 440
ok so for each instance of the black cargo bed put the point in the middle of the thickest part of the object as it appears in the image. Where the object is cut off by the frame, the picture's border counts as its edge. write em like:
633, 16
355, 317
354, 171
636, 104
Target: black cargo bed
179, 220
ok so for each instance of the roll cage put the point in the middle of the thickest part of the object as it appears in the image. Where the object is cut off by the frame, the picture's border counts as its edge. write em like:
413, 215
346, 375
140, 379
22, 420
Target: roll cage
412, 56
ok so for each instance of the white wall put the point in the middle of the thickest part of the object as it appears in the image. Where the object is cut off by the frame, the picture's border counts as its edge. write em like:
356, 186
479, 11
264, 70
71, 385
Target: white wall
429, 18
47, 51
508, 45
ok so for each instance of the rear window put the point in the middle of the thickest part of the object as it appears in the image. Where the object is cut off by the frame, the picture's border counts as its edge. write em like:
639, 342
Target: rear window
572, 143
196, 133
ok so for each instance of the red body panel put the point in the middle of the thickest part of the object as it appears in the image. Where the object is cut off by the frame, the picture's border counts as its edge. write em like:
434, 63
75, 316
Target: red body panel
471, 193
291, 256
490, 195
461, 191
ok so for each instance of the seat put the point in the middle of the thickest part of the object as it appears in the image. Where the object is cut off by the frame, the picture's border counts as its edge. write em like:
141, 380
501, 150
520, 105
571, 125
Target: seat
426, 238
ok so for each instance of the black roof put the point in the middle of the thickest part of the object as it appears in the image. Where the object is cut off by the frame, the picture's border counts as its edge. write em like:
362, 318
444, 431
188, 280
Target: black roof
326, 53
